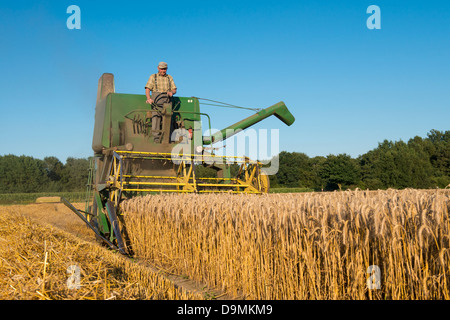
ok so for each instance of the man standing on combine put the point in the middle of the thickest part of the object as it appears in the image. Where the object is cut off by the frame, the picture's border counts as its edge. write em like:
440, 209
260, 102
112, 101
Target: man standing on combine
163, 88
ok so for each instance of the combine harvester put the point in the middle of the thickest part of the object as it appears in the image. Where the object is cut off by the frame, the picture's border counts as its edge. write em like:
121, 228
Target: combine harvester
128, 162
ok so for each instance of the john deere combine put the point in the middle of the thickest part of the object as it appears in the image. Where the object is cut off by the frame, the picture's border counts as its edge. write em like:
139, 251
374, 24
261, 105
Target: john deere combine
128, 162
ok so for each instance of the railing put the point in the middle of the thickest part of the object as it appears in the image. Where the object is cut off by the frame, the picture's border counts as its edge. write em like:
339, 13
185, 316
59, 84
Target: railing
90, 186
184, 180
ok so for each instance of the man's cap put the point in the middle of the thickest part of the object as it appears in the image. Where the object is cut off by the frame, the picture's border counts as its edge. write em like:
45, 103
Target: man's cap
162, 65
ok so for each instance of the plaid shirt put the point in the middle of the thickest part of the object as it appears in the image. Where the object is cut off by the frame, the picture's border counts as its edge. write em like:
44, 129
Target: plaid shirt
160, 83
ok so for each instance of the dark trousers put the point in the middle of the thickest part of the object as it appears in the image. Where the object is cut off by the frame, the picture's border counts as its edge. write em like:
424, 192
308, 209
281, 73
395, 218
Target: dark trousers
156, 114
156, 124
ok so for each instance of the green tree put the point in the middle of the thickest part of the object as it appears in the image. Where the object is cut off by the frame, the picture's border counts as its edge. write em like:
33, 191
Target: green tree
397, 165
54, 169
293, 169
75, 174
315, 166
439, 153
22, 174
378, 169
340, 172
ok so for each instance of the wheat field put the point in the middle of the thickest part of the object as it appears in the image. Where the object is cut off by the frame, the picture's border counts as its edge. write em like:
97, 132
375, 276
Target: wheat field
342, 245
275, 246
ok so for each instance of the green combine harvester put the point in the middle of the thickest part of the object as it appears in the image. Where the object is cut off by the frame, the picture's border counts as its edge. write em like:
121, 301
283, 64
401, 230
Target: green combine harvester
128, 162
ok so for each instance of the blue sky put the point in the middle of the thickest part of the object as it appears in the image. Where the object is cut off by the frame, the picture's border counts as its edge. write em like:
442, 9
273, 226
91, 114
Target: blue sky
347, 86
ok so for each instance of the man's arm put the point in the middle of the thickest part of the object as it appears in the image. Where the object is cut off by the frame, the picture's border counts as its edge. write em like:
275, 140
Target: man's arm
147, 93
173, 91
148, 88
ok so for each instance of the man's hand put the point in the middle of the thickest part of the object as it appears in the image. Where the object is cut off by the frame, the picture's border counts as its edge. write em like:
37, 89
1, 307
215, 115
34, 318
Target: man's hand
149, 101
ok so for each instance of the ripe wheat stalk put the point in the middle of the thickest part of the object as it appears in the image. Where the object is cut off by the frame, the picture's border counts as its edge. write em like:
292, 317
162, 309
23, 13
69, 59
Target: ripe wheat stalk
300, 246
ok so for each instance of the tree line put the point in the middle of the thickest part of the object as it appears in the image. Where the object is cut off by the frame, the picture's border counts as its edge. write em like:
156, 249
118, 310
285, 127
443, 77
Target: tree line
418, 163
25, 174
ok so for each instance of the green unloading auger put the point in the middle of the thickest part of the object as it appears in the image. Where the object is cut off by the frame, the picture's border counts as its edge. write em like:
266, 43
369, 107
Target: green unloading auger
279, 110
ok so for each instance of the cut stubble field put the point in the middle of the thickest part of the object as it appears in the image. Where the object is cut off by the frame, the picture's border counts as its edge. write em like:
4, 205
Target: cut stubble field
276, 246
47, 253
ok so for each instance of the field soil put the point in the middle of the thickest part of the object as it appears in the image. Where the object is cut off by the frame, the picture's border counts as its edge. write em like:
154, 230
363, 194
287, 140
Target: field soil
56, 215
